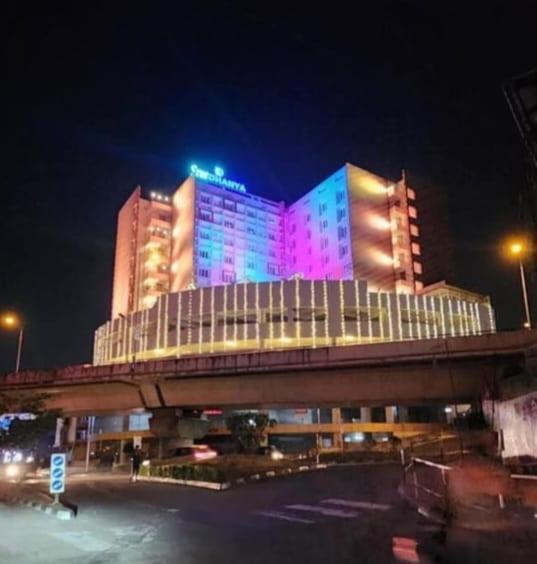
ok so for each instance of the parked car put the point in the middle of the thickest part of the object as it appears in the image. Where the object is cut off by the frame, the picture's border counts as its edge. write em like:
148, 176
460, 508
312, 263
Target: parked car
270, 450
15, 464
193, 453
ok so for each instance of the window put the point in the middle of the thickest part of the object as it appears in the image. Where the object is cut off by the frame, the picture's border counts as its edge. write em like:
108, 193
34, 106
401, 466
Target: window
204, 253
308, 217
228, 260
250, 212
250, 265
340, 214
342, 251
308, 234
203, 272
341, 233
250, 230
293, 228
273, 269
416, 249
272, 236
206, 215
229, 242
229, 205
204, 235
229, 224
322, 208
339, 196
414, 230
163, 216
412, 212
326, 259
205, 199
228, 276
411, 194
417, 268
419, 285
323, 224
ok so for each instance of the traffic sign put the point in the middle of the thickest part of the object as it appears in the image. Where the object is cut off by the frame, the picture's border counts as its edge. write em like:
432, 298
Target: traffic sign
57, 473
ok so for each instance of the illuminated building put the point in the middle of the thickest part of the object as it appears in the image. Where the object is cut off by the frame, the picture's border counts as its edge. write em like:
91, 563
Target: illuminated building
283, 314
213, 268
141, 267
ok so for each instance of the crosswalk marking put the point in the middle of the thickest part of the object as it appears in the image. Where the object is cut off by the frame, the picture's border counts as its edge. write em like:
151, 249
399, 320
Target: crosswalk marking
278, 515
83, 541
357, 504
324, 510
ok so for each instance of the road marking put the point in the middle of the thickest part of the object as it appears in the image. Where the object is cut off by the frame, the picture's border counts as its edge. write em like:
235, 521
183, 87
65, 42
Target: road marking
324, 510
357, 504
278, 515
83, 541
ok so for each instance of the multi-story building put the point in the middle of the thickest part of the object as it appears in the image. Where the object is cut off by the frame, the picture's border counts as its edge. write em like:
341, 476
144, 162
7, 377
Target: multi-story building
142, 259
354, 225
213, 268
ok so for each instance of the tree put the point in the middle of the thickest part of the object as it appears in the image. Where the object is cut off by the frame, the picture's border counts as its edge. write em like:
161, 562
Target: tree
248, 429
25, 433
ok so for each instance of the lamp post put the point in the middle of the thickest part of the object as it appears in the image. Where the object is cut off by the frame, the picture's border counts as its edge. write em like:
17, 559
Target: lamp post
517, 250
12, 321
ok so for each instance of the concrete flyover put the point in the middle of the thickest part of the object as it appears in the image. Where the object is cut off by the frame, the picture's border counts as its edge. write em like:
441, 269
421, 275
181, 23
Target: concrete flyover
455, 369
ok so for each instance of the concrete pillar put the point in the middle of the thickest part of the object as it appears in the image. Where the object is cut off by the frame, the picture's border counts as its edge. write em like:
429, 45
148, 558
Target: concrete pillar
122, 455
390, 413
71, 430
338, 435
58, 434
365, 414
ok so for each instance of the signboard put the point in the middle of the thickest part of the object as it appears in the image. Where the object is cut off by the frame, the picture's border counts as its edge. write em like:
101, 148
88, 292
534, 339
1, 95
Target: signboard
58, 470
216, 178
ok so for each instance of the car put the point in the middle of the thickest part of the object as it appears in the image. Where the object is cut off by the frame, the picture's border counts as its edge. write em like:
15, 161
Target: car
16, 464
270, 450
193, 453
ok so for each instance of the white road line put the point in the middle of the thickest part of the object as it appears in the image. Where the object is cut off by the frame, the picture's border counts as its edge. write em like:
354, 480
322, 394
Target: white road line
357, 504
83, 541
324, 510
278, 515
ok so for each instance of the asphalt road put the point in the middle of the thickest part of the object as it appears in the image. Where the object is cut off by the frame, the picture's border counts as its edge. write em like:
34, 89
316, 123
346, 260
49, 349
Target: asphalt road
339, 515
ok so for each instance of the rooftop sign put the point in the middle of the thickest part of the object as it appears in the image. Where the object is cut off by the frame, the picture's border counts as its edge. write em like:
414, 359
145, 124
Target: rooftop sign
216, 177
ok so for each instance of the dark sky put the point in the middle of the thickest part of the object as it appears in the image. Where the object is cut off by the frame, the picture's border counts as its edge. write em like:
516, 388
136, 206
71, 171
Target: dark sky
97, 100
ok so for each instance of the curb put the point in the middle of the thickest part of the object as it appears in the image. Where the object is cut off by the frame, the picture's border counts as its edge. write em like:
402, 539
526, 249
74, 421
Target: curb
221, 486
58, 511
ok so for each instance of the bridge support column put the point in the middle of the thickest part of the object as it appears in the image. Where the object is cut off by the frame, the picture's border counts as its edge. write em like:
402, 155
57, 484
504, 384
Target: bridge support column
58, 434
390, 414
174, 430
338, 436
71, 430
365, 414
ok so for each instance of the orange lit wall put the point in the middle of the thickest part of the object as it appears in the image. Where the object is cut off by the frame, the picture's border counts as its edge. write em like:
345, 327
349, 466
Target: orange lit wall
371, 236
182, 254
125, 262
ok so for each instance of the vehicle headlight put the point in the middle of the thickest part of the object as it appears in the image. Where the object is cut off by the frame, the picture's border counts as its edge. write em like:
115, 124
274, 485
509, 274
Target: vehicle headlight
12, 470
17, 457
29, 459
146, 463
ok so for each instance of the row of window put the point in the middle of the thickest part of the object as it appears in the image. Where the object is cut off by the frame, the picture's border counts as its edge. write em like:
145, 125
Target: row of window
236, 207
230, 275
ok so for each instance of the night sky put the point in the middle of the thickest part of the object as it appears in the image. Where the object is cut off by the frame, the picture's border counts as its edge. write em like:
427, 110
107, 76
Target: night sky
101, 98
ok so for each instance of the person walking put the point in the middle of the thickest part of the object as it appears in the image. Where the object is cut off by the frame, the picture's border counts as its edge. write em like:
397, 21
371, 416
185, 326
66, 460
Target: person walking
136, 459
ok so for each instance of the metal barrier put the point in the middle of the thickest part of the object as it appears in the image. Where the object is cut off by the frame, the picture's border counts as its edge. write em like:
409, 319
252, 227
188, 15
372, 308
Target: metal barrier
426, 483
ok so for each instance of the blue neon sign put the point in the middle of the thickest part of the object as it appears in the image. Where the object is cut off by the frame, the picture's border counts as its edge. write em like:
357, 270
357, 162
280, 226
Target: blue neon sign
216, 177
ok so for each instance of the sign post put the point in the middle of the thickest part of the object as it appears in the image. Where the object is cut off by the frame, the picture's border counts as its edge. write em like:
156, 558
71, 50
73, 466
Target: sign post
57, 475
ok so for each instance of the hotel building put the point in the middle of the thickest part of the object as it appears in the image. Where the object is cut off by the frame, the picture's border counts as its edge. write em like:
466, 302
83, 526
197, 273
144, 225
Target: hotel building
213, 268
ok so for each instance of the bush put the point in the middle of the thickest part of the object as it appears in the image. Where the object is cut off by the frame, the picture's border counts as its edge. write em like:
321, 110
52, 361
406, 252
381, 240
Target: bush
201, 472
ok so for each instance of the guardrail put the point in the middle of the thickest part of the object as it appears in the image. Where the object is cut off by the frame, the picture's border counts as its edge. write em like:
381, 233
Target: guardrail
426, 483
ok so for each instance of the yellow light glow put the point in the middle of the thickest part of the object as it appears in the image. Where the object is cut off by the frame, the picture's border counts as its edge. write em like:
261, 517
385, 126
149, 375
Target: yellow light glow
231, 343
516, 248
378, 222
159, 351
382, 258
350, 338
9, 321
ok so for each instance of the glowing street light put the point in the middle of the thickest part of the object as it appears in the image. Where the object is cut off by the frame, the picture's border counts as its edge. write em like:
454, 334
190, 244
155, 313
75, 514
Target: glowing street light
11, 321
517, 250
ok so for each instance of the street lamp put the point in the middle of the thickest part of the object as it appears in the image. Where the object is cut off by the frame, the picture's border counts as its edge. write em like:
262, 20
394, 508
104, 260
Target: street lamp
517, 250
12, 321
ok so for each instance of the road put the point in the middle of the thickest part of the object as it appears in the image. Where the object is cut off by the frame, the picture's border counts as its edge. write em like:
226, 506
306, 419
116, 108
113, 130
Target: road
339, 515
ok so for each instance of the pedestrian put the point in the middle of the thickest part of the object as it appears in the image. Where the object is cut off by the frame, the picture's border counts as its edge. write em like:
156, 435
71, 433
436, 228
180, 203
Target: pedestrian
136, 461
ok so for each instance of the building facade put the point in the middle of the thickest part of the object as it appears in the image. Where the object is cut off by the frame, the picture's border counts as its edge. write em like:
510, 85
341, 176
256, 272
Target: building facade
281, 314
354, 225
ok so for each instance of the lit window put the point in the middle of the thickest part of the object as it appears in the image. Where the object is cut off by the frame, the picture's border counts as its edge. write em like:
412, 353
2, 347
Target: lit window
228, 260
411, 194
250, 265
414, 230
417, 268
228, 224
412, 212
342, 251
419, 285
203, 272
228, 276
204, 253
341, 232
416, 249
339, 196
340, 214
